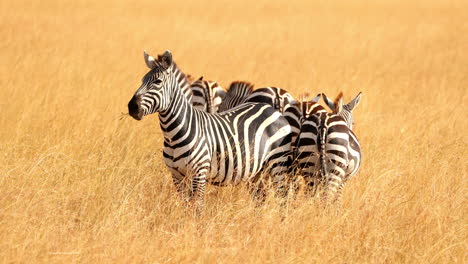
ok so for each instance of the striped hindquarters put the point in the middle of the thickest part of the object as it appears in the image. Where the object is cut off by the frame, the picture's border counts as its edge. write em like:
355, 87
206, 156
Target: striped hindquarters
327, 152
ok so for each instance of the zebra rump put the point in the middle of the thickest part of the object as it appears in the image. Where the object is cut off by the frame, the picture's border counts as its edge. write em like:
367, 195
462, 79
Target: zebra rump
328, 152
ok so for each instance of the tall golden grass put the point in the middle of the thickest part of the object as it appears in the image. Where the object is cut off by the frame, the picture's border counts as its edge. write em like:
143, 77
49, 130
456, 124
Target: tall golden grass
80, 182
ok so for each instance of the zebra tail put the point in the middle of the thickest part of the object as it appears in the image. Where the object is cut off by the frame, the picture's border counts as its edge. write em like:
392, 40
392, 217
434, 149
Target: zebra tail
322, 151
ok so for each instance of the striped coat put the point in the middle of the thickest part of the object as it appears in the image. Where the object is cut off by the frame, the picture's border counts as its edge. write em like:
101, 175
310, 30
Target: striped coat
228, 148
328, 152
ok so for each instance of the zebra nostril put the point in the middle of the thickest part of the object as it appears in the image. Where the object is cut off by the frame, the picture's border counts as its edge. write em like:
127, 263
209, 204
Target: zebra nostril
134, 107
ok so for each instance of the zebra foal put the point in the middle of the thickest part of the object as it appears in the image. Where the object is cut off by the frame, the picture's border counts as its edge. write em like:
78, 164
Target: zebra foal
221, 149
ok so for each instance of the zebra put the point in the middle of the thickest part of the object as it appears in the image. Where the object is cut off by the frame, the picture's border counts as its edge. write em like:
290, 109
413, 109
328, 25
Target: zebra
221, 149
328, 152
207, 95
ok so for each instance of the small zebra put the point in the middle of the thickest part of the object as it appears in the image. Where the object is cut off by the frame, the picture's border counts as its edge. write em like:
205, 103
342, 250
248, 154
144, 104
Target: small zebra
328, 151
227, 148
207, 95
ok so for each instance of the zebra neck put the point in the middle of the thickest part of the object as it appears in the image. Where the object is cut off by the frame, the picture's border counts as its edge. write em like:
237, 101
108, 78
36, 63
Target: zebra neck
176, 120
183, 82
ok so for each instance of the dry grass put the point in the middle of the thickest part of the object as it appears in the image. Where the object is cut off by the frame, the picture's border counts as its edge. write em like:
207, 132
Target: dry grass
80, 184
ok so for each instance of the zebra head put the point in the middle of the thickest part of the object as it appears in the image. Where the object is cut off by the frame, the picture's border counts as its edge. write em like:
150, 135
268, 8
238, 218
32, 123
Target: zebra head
154, 93
343, 110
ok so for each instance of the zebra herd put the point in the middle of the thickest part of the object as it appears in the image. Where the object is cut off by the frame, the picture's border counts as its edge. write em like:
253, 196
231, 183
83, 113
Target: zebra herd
259, 136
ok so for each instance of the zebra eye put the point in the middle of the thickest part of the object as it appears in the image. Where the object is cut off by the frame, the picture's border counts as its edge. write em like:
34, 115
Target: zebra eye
156, 84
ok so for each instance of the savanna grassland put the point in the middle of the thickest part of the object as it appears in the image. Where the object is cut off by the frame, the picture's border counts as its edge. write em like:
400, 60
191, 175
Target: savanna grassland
82, 182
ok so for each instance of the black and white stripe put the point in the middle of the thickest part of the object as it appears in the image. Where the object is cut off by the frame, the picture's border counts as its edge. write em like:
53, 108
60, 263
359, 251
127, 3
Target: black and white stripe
347, 111
280, 99
328, 152
207, 95
225, 148
236, 94
182, 79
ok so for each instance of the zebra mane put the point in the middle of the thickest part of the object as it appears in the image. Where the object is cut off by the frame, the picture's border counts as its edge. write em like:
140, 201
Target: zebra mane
304, 97
240, 87
307, 97
190, 78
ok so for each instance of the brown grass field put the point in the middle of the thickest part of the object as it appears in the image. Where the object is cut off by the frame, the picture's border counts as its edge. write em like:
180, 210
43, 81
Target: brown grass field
80, 182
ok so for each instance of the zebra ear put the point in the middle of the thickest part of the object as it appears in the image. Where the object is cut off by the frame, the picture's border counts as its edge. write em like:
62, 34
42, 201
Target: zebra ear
354, 102
166, 60
329, 102
339, 106
200, 79
316, 98
150, 61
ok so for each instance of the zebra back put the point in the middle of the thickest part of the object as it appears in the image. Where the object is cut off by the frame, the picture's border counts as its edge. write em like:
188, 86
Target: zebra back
235, 95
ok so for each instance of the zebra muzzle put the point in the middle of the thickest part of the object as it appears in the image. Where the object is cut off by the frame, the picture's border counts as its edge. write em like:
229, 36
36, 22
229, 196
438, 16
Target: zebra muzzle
134, 107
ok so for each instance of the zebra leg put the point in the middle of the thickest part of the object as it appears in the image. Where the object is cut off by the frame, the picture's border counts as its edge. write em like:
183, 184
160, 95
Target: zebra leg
198, 190
257, 189
181, 185
281, 173
339, 192
293, 184
310, 184
333, 182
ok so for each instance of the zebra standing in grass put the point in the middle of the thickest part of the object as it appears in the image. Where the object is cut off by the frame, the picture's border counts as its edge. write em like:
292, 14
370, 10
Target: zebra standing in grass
328, 151
207, 95
222, 149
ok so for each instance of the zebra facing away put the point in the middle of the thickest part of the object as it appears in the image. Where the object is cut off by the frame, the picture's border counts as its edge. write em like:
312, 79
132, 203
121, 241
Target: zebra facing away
222, 149
328, 152
207, 95
347, 111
